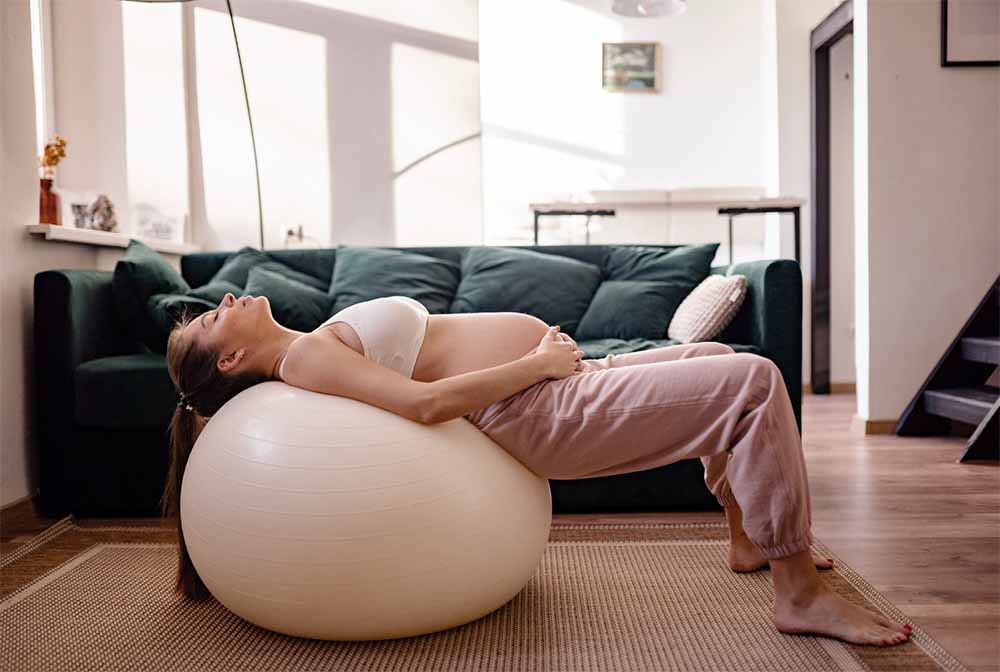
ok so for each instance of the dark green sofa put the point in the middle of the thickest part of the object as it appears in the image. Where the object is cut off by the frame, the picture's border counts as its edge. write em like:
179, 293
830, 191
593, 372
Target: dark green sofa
104, 402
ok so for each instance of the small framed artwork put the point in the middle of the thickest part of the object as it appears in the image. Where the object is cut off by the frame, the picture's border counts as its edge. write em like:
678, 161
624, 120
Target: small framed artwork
631, 67
970, 33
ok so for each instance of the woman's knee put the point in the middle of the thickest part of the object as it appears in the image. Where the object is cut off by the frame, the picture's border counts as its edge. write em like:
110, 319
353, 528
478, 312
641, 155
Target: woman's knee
714, 348
760, 367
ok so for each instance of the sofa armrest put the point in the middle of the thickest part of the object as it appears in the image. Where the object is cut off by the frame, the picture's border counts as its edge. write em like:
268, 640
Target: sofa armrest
74, 319
74, 322
771, 318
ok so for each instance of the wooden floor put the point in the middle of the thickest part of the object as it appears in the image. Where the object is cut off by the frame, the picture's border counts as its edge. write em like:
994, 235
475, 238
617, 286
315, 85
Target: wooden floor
923, 529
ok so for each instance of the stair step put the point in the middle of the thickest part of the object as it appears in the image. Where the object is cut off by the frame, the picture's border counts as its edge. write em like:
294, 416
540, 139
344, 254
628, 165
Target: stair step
965, 404
981, 349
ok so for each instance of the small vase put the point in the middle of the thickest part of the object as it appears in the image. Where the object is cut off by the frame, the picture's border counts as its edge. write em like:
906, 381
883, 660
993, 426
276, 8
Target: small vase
48, 204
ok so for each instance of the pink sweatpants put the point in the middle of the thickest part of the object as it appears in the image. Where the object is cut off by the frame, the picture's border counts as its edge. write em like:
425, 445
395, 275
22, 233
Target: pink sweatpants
645, 409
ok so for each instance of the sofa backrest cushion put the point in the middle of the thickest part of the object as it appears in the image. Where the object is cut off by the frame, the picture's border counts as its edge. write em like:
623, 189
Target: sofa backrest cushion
165, 310
139, 274
293, 304
553, 288
642, 288
214, 292
237, 268
629, 309
363, 273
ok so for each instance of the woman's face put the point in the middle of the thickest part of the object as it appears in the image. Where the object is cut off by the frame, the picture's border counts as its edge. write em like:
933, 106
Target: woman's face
233, 328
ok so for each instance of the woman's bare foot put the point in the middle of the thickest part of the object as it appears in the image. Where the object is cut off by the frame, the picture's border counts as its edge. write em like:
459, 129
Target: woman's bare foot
804, 604
745, 556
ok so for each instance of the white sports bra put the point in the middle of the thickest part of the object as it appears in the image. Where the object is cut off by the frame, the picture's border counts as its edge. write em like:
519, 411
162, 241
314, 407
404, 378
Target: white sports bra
391, 329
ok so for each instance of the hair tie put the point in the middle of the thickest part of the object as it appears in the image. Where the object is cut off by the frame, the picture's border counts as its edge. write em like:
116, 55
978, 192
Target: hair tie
184, 402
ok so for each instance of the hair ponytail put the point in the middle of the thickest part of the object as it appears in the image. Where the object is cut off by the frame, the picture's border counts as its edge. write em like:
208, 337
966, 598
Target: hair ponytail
185, 426
203, 389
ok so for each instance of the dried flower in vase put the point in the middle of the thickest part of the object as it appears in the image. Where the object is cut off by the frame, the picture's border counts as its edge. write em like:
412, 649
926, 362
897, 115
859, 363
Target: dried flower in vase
54, 151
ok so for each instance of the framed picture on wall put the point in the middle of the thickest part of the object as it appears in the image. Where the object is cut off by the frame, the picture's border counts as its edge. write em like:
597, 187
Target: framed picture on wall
631, 67
970, 33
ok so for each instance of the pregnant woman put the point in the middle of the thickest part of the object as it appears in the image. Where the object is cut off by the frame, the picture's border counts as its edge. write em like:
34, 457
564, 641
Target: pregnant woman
525, 385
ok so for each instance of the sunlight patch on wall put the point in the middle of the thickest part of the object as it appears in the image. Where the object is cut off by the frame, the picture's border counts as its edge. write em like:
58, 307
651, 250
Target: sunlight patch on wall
455, 18
435, 147
286, 74
532, 149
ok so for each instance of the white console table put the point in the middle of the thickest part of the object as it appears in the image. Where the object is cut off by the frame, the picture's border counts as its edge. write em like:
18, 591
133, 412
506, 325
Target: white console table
730, 207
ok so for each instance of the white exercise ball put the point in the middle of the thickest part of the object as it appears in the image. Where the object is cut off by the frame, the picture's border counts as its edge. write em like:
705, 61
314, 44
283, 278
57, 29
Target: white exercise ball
320, 516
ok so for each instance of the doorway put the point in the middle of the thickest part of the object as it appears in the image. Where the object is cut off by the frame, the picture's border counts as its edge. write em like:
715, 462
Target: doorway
829, 181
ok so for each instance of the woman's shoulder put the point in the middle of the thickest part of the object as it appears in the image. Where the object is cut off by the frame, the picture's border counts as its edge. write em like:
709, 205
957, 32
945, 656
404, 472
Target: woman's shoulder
308, 350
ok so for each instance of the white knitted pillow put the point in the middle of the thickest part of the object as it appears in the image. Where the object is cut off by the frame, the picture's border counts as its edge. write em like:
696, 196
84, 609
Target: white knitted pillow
708, 309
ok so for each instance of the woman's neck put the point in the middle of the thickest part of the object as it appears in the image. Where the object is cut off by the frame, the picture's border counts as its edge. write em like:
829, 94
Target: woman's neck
275, 350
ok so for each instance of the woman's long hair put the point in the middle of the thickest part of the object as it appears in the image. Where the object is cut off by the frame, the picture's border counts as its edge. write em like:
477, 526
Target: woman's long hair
204, 390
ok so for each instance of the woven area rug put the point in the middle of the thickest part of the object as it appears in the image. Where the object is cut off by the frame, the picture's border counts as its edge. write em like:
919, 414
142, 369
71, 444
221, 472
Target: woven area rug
631, 596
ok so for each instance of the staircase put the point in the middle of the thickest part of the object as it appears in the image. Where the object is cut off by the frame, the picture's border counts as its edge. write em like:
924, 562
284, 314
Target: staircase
959, 389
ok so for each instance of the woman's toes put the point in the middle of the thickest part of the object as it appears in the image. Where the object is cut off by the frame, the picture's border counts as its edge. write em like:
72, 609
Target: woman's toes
892, 637
891, 624
821, 562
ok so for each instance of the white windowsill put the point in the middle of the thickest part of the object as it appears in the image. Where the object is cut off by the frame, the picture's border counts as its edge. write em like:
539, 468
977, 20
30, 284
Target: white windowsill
68, 234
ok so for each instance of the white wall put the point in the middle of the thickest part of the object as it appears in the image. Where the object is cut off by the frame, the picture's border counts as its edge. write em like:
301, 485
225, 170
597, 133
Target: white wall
21, 256
928, 233
549, 129
842, 332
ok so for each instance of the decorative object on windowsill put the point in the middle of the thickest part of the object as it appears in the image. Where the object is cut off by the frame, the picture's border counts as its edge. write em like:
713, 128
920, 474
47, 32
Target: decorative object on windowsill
98, 215
648, 8
246, 98
48, 200
631, 67
295, 238
151, 222
970, 33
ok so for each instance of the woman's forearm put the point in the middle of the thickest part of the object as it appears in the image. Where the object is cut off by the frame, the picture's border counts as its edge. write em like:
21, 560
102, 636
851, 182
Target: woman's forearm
456, 396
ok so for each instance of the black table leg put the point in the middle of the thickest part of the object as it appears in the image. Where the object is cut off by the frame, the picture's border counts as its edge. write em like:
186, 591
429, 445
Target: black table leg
730, 240
795, 214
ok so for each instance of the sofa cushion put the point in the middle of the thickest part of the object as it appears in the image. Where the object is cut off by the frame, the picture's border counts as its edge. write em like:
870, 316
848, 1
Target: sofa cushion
708, 309
213, 292
237, 268
124, 391
293, 304
597, 348
139, 274
364, 273
167, 309
629, 309
646, 285
553, 288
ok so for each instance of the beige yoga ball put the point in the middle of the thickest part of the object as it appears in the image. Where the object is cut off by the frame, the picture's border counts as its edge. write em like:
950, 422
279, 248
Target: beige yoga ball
321, 516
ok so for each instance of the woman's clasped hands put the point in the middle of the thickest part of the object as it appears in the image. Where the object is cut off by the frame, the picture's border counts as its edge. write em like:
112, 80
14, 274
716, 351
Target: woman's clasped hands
559, 354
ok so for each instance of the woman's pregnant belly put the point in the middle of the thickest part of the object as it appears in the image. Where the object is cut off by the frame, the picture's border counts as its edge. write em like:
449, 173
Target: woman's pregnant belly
457, 343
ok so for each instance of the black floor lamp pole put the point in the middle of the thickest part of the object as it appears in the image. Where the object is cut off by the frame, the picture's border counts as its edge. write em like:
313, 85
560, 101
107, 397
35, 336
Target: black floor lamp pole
253, 140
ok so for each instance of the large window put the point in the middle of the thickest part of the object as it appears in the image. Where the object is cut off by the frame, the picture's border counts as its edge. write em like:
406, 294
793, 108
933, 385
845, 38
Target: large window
287, 81
156, 145
366, 117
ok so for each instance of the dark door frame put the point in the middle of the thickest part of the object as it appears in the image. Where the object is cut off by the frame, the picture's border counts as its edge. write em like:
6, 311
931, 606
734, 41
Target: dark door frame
838, 24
